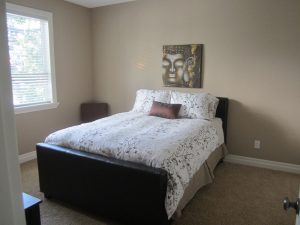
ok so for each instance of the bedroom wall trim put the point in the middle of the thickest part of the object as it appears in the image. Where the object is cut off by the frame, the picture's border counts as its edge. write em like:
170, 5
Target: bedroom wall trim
27, 157
267, 164
248, 161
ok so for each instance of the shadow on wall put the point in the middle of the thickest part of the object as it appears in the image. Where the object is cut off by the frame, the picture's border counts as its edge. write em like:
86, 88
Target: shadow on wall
246, 125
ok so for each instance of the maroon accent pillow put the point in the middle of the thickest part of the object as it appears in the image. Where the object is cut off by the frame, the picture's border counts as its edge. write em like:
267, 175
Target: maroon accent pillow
165, 110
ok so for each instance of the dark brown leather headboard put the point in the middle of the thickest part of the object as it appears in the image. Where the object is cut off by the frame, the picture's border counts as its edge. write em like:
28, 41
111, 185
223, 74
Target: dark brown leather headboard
222, 112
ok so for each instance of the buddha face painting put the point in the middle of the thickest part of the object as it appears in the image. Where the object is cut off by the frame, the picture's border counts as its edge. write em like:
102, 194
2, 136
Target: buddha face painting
181, 65
173, 65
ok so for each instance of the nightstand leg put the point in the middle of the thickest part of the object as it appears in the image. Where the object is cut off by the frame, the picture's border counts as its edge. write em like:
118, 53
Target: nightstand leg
33, 215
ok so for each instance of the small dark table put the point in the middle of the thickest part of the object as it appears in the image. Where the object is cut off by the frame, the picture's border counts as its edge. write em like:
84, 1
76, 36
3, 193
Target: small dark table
92, 111
32, 209
298, 216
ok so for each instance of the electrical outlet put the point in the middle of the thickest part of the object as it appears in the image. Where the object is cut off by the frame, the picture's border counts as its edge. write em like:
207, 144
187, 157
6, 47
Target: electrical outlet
257, 144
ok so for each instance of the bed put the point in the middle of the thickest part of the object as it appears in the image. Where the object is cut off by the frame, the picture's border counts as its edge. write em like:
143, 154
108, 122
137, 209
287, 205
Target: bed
127, 191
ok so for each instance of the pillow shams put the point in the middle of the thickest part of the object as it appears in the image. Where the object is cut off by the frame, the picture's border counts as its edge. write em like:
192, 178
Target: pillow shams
144, 99
165, 110
213, 105
194, 105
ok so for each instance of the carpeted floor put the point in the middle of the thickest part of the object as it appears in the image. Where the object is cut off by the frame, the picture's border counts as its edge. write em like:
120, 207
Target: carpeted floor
239, 195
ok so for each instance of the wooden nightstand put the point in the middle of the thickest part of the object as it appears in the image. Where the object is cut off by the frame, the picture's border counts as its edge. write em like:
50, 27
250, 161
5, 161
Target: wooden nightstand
32, 209
93, 111
298, 215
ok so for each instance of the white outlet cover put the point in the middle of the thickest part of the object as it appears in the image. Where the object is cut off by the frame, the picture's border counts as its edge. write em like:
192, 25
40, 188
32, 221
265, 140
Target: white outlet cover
257, 144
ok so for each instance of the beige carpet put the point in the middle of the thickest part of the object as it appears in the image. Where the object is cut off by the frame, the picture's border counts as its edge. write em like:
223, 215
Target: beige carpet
239, 195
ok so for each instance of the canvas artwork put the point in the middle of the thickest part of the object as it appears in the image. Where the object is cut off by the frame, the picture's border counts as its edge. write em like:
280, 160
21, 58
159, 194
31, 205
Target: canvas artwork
182, 65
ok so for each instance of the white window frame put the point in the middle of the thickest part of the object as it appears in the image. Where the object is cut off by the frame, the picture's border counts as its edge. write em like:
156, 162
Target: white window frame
40, 14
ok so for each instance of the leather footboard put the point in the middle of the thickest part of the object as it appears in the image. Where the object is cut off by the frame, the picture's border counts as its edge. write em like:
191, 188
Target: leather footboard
125, 191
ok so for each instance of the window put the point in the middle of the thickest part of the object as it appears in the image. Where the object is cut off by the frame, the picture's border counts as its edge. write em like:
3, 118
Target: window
30, 41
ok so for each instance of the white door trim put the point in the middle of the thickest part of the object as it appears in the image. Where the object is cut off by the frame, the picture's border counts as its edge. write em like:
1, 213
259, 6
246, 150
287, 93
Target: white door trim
12, 211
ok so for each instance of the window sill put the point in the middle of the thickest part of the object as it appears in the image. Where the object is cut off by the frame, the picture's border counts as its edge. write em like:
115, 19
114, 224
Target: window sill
27, 109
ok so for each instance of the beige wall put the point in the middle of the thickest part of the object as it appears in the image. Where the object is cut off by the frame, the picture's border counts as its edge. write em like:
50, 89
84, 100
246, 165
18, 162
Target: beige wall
251, 55
73, 65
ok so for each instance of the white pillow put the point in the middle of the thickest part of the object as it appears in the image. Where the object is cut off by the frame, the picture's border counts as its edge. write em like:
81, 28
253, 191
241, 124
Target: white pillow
194, 105
213, 105
144, 99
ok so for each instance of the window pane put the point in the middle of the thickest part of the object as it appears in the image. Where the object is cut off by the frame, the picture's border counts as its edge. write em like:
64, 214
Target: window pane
29, 59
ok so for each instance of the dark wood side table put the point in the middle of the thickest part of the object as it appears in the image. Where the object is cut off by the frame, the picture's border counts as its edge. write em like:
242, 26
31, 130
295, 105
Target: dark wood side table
32, 209
298, 215
93, 111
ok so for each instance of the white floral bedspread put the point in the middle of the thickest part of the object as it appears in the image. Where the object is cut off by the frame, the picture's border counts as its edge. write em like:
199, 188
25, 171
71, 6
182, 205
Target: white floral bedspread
179, 146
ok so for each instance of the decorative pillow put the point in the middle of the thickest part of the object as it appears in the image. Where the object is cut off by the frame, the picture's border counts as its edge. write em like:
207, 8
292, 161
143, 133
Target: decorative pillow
165, 110
144, 99
194, 105
213, 105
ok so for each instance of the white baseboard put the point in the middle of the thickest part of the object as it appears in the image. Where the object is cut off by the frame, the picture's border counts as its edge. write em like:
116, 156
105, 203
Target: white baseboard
27, 157
268, 164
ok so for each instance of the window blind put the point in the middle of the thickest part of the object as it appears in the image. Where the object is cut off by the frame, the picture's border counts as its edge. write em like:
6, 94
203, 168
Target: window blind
28, 40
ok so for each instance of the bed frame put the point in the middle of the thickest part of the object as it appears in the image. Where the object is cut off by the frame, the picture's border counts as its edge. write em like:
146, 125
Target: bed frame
122, 190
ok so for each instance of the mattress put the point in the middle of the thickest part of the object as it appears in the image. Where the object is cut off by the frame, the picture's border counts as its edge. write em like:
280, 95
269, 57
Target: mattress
180, 146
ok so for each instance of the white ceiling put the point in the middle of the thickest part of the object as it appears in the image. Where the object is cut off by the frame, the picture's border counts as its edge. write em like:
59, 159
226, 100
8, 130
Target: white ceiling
97, 3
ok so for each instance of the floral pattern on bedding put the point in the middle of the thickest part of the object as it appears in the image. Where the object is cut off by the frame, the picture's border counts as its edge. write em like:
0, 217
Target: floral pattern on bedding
195, 105
180, 146
144, 99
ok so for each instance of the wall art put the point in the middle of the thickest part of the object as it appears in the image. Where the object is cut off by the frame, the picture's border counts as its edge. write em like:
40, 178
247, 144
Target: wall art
182, 65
